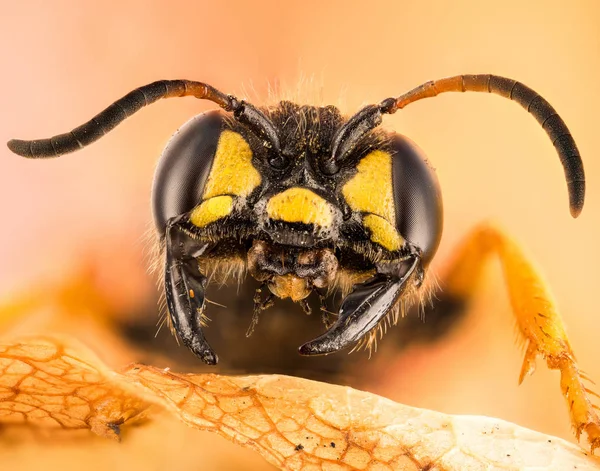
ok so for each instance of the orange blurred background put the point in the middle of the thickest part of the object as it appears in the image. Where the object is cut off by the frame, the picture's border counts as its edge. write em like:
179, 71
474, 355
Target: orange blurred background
65, 60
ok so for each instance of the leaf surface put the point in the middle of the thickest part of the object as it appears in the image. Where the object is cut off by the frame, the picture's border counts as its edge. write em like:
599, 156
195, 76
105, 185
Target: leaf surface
295, 424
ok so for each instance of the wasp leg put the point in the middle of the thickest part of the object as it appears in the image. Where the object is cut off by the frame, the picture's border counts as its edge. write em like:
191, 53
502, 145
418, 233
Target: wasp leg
259, 306
364, 307
537, 317
305, 307
184, 288
325, 314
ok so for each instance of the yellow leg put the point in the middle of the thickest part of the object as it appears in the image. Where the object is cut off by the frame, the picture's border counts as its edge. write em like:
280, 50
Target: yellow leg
536, 314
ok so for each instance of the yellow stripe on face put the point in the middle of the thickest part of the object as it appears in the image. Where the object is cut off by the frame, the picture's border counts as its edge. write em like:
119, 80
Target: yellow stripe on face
232, 171
383, 233
300, 205
370, 190
211, 210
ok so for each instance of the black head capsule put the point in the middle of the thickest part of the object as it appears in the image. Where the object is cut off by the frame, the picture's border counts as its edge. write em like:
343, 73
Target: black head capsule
302, 198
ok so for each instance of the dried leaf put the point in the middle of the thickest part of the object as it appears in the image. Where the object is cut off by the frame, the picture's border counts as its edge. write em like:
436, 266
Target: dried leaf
45, 383
294, 423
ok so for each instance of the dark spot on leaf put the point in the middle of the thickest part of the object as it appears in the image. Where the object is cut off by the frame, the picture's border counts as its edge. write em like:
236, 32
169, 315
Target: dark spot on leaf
115, 427
299, 447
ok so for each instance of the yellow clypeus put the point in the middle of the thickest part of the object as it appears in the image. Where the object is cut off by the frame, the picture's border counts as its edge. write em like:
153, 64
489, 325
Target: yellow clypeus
300, 205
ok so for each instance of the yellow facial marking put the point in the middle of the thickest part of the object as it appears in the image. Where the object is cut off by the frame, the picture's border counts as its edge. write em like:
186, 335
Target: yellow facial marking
370, 190
232, 172
383, 233
300, 205
211, 210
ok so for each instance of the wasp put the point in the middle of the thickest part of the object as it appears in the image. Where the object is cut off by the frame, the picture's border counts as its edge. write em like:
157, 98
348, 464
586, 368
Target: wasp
307, 200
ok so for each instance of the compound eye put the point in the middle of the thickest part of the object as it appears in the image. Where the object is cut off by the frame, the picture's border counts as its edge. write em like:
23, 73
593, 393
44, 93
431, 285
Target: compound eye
417, 197
184, 167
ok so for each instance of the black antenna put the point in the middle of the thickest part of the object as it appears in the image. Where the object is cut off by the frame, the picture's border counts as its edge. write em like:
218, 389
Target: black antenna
535, 104
121, 109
